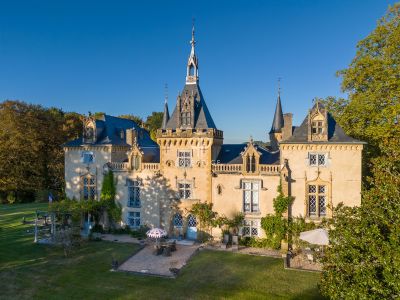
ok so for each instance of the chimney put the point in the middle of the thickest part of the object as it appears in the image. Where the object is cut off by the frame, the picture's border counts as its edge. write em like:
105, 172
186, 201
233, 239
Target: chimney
287, 127
131, 136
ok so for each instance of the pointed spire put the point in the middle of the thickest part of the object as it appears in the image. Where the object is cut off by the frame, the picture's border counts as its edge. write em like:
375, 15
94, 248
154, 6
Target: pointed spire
166, 111
193, 41
192, 69
277, 123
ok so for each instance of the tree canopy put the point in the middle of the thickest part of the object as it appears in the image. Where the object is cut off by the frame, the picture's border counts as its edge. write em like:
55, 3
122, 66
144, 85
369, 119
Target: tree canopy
363, 261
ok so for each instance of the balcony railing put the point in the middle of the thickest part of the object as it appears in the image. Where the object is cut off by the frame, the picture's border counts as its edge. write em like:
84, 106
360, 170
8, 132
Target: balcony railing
238, 168
151, 166
119, 165
227, 168
269, 169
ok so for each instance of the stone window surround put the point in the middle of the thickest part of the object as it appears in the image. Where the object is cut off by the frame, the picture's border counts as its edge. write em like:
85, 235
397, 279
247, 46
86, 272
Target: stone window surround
134, 186
254, 206
317, 159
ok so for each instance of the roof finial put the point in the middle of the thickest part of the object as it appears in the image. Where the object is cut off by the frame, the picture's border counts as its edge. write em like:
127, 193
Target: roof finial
193, 42
279, 86
166, 93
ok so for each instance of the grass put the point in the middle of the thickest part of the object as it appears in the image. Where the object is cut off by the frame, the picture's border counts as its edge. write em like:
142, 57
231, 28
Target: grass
32, 271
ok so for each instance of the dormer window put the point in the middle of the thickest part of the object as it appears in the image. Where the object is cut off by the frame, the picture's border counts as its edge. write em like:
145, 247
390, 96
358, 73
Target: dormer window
136, 162
250, 163
90, 131
317, 127
185, 118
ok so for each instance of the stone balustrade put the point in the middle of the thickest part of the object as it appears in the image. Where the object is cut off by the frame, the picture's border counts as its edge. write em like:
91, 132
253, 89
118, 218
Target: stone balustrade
119, 165
238, 168
151, 166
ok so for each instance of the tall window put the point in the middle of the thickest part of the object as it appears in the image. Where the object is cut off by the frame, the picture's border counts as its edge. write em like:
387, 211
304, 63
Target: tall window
87, 157
250, 163
317, 198
250, 196
136, 162
185, 118
250, 227
178, 221
185, 159
134, 219
318, 159
317, 127
134, 193
185, 190
89, 187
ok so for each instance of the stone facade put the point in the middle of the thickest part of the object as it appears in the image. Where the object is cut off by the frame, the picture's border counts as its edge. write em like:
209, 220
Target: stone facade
158, 182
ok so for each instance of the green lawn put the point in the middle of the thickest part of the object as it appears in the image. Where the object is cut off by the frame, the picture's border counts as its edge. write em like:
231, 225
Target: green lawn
31, 271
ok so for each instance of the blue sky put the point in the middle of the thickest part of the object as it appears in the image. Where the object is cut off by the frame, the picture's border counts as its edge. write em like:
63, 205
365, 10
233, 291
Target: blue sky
116, 56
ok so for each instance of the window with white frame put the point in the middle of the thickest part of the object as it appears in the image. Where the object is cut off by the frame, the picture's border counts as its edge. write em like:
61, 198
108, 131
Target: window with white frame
250, 196
87, 157
317, 159
133, 219
184, 159
89, 187
317, 200
185, 189
250, 227
134, 193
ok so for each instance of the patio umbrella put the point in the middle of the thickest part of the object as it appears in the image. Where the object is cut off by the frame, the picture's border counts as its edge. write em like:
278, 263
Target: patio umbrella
317, 236
156, 233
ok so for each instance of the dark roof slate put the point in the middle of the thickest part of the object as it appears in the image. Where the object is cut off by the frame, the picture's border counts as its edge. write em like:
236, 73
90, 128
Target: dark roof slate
232, 154
203, 119
336, 133
278, 121
110, 128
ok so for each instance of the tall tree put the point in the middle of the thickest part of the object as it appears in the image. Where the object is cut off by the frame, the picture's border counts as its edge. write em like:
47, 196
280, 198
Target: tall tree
363, 261
134, 118
31, 156
154, 122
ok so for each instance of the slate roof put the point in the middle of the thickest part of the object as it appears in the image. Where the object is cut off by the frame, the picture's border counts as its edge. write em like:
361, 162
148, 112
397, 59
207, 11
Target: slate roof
335, 133
109, 133
231, 154
203, 119
165, 116
278, 121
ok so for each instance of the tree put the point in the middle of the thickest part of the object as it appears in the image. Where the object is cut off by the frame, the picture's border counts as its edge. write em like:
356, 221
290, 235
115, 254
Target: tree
31, 156
206, 216
363, 261
154, 122
138, 120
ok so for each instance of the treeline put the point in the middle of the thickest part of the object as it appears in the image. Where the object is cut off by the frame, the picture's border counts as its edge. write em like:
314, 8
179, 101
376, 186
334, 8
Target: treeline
31, 154
363, 260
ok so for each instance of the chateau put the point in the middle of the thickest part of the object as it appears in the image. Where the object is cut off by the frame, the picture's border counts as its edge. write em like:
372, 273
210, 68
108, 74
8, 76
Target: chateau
157, 182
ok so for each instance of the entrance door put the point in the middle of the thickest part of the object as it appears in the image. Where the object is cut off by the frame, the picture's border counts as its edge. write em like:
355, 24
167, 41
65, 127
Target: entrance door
191, 233
178, 226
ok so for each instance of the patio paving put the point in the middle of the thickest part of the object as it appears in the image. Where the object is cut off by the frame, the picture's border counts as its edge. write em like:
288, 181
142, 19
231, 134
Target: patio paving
119, 238
145, 262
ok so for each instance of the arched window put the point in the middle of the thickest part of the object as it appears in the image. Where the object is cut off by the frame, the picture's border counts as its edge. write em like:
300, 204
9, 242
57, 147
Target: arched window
178, 220
136, 162
192, 222
191, 70
219, 189
250, 163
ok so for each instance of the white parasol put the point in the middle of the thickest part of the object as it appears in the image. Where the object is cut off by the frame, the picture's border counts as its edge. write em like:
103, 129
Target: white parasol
318, 236
156, 233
